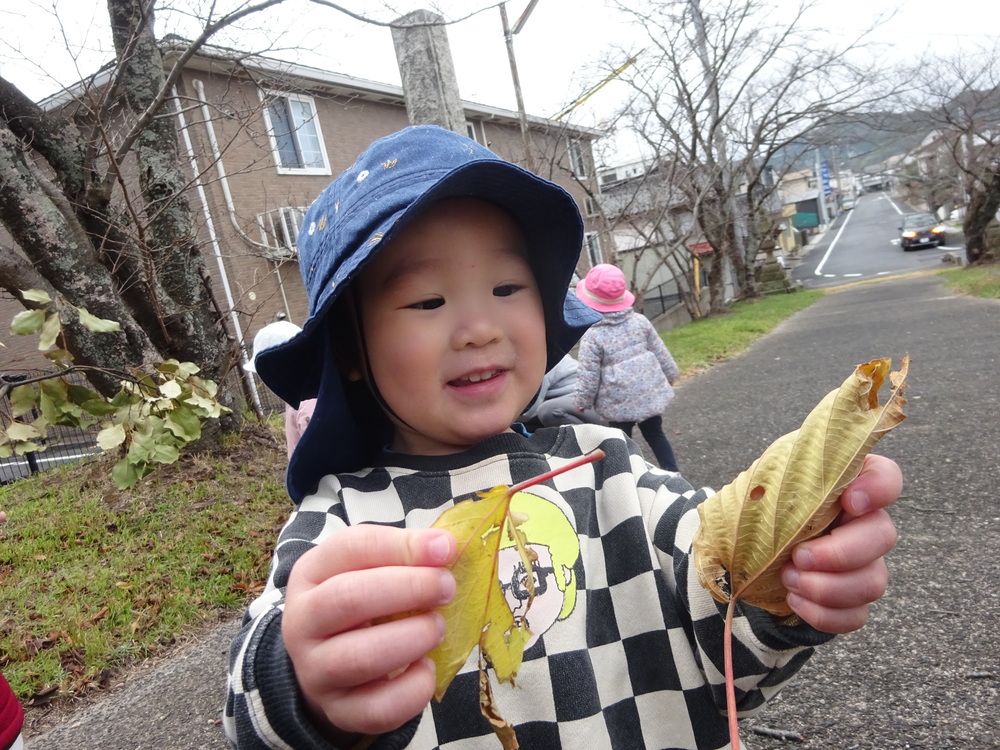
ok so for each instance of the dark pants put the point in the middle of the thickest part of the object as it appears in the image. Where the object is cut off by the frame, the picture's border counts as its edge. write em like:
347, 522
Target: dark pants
652, 431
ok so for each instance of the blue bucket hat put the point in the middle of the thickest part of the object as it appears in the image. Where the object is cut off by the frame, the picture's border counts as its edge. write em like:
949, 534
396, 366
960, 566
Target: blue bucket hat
392, 182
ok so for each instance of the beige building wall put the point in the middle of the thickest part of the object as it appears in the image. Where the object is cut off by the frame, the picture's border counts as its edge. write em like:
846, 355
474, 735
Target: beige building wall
226, 145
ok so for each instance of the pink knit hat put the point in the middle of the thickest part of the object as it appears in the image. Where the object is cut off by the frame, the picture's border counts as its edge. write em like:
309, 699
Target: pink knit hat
604, 289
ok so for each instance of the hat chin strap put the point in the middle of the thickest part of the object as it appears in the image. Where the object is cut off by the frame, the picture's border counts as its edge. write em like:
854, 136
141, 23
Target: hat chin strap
365, 372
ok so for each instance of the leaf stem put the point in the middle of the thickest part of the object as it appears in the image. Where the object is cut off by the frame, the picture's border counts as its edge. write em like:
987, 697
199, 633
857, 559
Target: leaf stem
734, 726
594, 455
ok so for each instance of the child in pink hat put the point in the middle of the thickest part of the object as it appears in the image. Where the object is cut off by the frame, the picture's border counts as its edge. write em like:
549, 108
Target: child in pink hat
626, 371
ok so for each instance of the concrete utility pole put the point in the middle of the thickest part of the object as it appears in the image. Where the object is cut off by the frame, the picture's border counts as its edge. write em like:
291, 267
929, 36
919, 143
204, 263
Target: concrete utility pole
508, 36
430, 86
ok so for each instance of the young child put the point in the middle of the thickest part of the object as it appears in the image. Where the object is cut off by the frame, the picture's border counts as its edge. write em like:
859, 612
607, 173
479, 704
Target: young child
438, 280
625, 368
11, 711
555, 403
296, 419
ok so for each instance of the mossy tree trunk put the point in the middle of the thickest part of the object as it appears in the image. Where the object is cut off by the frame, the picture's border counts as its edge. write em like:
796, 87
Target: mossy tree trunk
94, 195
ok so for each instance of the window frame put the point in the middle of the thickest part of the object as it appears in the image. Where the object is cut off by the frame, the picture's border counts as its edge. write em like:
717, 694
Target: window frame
470, 131
577, 159
592, 241
266, 97
279, 230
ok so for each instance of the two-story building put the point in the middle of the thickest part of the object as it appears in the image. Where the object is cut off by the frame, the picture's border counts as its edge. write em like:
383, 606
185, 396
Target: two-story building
262, 137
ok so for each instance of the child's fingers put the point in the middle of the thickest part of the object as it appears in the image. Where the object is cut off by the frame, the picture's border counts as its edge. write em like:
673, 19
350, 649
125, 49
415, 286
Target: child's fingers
839, 590
851, 546
355, 598
385, 705
877, 486
373, 546
358, 657
827, 619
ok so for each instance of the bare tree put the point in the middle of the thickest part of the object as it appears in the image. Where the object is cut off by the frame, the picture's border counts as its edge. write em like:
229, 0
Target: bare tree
959, 97
722, 88
95, 197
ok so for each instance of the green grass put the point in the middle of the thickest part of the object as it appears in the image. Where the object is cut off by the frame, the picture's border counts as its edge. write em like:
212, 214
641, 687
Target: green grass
701, 343
977, 281
93, 578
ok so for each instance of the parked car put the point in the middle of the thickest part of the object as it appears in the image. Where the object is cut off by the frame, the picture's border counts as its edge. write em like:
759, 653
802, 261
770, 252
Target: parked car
921, 230
847, 204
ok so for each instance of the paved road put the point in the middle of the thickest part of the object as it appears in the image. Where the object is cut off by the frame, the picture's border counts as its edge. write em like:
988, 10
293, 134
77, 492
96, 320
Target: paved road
863, 244
925, 673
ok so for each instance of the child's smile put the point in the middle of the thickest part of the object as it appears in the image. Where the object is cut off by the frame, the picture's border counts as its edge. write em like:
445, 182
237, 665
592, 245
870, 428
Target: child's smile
476, 377
453, 327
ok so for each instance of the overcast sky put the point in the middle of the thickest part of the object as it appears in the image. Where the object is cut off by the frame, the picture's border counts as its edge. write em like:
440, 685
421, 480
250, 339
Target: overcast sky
553, 50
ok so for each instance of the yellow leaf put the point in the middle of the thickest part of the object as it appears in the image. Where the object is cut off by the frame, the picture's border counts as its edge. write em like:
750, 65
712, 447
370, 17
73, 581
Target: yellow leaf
504, 729
479, 613
790, 494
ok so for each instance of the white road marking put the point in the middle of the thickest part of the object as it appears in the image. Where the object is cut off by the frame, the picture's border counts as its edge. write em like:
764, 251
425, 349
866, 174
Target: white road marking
826, 255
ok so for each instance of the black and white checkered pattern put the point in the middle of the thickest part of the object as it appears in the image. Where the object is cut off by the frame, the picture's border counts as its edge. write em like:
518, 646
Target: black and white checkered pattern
637, 664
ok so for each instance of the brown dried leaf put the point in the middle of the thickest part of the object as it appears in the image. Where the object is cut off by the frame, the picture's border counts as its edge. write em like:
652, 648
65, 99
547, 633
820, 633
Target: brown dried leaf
790, 494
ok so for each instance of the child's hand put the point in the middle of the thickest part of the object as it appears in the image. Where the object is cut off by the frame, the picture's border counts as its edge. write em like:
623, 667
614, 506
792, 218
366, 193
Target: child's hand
358, 677
833, 578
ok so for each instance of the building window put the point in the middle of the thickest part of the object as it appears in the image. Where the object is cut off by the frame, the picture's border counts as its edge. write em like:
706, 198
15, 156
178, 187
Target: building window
279, 230
296, 138
576, 161
593, 248
590, 206
470, 130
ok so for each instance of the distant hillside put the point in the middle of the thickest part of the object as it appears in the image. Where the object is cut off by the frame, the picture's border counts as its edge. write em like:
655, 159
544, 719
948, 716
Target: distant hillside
861, 141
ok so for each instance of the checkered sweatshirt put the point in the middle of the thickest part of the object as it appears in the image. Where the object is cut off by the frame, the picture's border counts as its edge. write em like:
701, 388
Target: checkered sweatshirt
637, 663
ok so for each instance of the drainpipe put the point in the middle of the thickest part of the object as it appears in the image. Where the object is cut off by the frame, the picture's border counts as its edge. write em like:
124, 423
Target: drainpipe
220, 169
217, 251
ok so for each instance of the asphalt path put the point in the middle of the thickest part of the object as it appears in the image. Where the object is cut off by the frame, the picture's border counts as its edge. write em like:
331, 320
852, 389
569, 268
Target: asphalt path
925, 671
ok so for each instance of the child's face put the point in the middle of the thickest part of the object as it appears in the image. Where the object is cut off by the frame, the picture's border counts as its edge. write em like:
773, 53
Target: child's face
453, 327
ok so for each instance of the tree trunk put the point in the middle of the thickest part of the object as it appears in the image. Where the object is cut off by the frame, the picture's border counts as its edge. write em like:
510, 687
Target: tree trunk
193, 331
983, 206
69, 200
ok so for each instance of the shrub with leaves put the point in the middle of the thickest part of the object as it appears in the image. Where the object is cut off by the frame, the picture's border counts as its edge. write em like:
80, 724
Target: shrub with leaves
151, 418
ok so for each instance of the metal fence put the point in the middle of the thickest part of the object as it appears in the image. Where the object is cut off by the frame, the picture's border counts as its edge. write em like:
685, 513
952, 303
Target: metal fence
660, 299
64, 445
61, 445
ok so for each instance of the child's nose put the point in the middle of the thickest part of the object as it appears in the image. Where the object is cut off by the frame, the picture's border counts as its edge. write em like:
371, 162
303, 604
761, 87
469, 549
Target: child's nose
476, 327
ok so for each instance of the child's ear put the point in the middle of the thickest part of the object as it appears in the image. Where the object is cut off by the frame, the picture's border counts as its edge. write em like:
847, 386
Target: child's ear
344, 340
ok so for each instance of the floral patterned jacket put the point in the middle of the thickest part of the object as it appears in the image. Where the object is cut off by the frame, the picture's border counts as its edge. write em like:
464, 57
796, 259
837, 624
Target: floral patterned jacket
625, 370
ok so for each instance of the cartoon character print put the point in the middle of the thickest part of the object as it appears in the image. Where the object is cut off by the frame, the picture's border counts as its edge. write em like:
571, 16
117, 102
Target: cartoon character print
553, 538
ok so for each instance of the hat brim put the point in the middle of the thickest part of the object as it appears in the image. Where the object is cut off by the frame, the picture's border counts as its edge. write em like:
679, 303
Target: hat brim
627, 300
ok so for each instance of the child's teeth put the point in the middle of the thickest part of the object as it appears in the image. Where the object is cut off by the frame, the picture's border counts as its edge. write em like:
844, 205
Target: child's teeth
476, 377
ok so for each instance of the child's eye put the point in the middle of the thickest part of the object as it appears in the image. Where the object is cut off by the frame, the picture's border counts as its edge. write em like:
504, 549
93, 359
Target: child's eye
428, 304
505, 290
